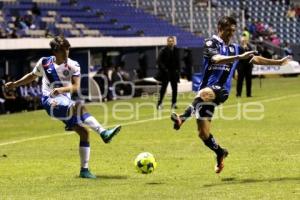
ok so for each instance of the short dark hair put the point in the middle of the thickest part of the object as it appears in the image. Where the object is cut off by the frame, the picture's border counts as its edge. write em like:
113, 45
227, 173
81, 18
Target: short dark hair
226, 21
58, 42
171, 37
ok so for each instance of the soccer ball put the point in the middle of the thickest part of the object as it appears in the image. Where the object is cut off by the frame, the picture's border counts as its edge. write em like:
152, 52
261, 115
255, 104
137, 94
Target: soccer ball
145, 163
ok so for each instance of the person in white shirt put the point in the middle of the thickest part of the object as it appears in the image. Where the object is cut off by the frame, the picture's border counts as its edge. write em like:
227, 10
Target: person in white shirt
60, 78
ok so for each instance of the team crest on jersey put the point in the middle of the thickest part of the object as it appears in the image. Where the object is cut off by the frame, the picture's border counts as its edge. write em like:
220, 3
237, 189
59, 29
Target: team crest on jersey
208, 43
66, 72
231, 49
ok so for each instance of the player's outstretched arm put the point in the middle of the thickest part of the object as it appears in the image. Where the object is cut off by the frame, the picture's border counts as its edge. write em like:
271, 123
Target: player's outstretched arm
28, 78
259, 60
72, 88
220, 59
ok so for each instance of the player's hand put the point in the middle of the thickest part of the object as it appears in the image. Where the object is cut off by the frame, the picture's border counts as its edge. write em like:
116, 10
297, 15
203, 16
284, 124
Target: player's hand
55, 92
246, 55
285, 60
10, 85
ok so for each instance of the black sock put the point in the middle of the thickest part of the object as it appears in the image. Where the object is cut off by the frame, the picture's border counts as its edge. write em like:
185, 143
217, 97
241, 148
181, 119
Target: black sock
212, 144
84, 169
189, 110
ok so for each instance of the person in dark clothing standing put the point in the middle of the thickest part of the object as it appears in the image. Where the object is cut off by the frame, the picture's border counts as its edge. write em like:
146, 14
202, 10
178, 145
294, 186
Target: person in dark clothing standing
188, 62
143, 64
244, 69
169, 70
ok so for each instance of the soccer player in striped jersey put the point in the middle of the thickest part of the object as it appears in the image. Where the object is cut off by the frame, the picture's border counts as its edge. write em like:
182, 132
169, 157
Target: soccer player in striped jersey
61, 77
220, 60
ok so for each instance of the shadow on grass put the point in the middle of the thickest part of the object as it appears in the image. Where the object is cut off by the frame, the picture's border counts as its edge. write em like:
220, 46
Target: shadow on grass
106, 177
111, 177
234, 181
155, 183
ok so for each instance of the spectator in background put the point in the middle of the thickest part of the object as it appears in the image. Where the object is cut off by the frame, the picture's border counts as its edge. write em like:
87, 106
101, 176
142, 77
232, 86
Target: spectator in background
244, 69
168, 71
35, 10
246, 34
102, 81
2, 33
143, 64
28, 20
119, 78
263, 51
291, 13
73, 2
260, 27
48, 33
275, 39
2, 99
20, 24
13, 33
24, 99
287, 49
35, 93
10, 98
298, 12
252, 29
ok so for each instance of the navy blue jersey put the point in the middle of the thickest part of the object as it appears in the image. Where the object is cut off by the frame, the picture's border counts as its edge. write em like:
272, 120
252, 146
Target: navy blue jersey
218, 74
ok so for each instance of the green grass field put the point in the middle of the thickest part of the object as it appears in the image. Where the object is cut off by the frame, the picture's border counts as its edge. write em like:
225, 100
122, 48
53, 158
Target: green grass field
38, 160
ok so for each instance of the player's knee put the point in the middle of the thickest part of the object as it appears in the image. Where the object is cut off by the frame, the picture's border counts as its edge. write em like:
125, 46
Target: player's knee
207, 94
203, 133
82, 132
78, 107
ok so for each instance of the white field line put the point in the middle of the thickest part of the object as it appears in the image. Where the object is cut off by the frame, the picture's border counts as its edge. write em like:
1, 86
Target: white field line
139, 121
31, 139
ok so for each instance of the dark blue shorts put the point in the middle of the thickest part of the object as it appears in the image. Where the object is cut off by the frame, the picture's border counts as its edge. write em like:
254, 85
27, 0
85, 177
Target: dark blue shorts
206, 110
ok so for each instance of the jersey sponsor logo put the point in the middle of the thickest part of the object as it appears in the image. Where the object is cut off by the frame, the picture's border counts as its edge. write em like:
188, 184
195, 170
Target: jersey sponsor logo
220, 67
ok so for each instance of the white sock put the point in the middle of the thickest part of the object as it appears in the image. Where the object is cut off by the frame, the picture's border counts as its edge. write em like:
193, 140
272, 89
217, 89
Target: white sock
91, 122
84, 153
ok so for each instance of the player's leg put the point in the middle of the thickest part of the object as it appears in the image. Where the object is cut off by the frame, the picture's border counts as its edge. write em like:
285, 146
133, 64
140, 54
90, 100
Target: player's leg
92, 122
174, 92
240, 79
208, 139
248, 76
204, 95
84, 151
162, 92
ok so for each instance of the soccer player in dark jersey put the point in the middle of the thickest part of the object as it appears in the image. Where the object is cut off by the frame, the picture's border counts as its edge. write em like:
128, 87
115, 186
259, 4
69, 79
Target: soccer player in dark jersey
220, 60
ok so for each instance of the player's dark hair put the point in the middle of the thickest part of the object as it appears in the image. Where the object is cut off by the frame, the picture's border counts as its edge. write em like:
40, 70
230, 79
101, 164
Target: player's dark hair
171, 37
58, 42
225, 22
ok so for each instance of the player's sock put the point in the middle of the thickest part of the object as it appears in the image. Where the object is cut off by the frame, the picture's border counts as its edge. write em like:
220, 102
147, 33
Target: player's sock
91, 122
190, 109
84, 153
211, 143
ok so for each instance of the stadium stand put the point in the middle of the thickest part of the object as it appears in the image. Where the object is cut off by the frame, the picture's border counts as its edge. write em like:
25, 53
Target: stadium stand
88, 18
121, 18
271, 13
